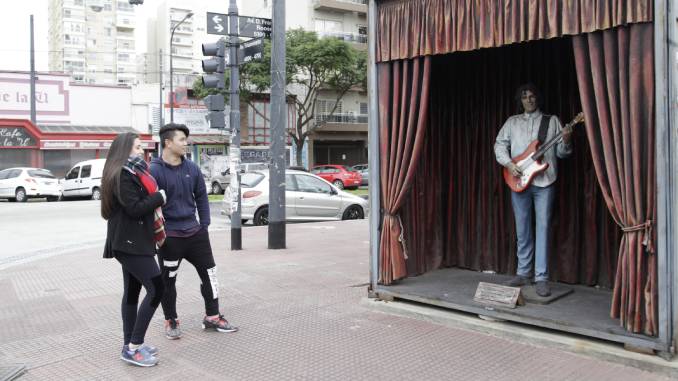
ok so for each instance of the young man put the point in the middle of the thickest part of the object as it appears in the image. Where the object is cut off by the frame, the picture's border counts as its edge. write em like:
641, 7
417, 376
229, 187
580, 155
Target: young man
513, 139
187, 238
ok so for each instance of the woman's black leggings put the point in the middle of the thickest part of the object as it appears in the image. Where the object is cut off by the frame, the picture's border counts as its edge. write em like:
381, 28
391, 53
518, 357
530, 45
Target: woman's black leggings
138, 270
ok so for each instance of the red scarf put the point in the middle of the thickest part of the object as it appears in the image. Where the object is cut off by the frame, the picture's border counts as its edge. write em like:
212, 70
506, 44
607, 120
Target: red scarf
139, 167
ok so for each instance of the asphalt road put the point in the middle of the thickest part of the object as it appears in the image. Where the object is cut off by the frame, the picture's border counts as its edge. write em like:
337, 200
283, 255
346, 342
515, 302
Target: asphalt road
40, 229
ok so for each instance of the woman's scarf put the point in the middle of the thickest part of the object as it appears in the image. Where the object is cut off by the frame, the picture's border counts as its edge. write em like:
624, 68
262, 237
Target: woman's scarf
137, 166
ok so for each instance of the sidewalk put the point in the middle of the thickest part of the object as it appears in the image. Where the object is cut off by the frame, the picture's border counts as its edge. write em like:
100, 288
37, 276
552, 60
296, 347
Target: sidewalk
300, 316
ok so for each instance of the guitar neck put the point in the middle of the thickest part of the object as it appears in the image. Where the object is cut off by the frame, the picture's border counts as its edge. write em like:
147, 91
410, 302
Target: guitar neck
545, 147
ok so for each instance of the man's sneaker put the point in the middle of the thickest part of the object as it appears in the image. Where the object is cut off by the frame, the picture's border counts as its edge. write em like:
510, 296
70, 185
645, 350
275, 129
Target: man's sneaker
518, 281
172, 330
543, 288
219, 324
139, 357
150, 349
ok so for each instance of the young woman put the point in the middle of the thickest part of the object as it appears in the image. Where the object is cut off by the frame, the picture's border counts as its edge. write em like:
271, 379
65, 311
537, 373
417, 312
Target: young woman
131, 202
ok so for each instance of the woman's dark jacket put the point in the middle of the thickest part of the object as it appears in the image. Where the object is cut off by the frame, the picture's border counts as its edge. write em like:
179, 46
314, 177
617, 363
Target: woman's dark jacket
130, 227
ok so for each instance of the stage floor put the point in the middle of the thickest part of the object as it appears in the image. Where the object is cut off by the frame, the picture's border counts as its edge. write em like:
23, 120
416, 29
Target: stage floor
585, 311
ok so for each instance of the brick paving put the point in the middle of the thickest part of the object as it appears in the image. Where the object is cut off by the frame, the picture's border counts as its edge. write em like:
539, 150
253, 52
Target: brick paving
299, 314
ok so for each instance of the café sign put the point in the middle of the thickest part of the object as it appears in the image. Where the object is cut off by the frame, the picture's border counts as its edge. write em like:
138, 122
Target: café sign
16, 137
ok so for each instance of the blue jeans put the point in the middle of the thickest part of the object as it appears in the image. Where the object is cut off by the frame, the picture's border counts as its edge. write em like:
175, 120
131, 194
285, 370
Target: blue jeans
535, 201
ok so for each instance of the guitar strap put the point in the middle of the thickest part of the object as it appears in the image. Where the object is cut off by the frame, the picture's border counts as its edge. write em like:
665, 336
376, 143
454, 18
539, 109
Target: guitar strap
544, 128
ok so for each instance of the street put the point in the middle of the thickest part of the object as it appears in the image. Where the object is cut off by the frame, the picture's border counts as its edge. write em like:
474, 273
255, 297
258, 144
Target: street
39, 229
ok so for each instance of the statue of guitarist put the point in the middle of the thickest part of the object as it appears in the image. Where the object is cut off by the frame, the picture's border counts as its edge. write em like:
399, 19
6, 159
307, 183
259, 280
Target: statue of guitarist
536, 201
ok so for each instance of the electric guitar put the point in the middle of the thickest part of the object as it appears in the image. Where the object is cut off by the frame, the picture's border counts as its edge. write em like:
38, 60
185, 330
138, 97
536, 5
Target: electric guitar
529, 161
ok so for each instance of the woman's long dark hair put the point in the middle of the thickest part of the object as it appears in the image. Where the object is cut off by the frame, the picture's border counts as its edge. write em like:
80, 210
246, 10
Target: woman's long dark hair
110, 180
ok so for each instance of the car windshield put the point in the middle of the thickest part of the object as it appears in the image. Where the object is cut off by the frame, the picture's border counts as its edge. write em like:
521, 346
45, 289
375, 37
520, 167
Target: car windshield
251, 179
41, 173
348, 169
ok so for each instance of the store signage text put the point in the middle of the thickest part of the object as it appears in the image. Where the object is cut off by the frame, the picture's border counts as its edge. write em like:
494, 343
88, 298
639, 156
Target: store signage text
15, 137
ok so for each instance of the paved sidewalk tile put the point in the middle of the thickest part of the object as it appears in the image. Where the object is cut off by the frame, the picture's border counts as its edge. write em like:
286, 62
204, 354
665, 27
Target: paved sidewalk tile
299, 315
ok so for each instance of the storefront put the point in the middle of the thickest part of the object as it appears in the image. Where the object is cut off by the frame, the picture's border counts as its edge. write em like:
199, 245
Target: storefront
442, 76
56, 147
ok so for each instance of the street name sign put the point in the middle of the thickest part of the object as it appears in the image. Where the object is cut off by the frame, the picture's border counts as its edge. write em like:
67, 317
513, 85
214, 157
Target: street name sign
255, 27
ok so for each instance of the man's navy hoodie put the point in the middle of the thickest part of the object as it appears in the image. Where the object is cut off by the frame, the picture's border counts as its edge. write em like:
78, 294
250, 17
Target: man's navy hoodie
185, 190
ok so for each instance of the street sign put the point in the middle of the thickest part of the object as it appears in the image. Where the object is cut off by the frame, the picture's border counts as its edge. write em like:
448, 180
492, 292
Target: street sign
251, 50
255, 27
217, 23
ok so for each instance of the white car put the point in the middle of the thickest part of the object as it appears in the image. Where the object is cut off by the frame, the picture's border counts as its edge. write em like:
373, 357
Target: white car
84, 179
307, 198
20, 184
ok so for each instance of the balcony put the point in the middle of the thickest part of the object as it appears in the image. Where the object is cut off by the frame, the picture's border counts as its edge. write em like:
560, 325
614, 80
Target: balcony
346, 118
359, 6
177, 41
360, 40
125, 22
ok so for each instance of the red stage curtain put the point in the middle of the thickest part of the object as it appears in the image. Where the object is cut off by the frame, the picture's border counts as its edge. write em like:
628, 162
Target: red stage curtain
615, 71
413, 28
403, 116
459, 211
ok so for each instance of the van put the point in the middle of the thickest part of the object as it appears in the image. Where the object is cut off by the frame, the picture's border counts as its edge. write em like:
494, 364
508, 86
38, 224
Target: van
84, 180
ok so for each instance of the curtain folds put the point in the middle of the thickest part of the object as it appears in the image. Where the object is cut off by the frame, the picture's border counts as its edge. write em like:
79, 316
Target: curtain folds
615, 71
403, 117
413, 28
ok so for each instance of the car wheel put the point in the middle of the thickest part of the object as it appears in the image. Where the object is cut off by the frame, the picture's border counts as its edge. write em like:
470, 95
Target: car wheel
353, 212
338, 184
52, 198
261, 216
20, 195
217, 189
96, 194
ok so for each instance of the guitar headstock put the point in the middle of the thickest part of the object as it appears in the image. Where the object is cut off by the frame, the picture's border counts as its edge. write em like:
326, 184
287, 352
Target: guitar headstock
577, 119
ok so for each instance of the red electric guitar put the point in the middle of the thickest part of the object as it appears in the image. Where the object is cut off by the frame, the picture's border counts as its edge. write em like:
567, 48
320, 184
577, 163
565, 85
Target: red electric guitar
529, 161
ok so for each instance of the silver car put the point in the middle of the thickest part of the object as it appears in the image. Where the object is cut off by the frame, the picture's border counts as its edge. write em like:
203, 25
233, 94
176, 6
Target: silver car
220, 181
307, 198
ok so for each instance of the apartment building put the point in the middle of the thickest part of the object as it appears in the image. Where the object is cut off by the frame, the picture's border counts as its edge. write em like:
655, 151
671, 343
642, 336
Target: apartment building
93, 41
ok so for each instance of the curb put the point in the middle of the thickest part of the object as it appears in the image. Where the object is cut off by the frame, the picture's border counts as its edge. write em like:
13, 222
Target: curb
599, 349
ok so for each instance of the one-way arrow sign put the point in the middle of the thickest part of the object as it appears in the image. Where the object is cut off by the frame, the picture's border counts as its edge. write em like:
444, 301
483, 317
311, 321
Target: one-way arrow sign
217, 23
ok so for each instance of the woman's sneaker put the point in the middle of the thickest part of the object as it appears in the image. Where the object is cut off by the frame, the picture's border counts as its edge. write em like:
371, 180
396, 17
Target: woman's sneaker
150, 349
219, 324
138, 357
172, 330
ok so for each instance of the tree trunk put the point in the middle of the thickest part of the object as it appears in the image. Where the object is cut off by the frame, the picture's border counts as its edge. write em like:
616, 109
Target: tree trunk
299, 146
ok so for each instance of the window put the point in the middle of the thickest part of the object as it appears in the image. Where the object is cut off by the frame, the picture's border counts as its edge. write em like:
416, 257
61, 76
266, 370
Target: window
67, 13
3, 174
290, 183
73, 174
108, 7
363, 108
86, 171
251, 179
362, 29
109, 31
123, 57
312, 185
328, 25
78, 2
41, 173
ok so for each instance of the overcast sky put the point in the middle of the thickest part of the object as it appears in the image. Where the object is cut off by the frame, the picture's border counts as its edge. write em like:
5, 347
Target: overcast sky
15, 32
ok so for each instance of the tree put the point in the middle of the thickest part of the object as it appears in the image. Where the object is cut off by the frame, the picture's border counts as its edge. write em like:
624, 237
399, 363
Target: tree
312, 65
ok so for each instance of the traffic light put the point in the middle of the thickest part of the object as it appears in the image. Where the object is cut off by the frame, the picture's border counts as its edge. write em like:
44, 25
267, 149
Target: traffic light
214, 66
214, 79
215, 104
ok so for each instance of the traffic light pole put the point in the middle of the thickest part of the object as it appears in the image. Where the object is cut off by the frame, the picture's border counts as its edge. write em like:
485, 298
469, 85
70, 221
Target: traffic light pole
276, 205
234, 119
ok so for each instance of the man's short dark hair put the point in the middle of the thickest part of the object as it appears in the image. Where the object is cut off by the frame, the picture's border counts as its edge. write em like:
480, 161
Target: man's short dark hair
170, 129
527, 87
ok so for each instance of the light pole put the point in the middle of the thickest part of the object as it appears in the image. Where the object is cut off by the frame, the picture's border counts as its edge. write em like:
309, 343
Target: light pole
189, 14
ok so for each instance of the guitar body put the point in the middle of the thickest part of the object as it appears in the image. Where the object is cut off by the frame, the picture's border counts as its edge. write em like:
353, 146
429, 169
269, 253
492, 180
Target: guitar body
530, 168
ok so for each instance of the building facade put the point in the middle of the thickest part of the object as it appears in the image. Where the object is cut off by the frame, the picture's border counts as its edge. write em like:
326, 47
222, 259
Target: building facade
93, 41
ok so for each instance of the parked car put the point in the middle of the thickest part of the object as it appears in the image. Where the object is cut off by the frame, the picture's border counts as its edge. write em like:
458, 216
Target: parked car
307, 198
339, 175
364, 171
220, 181
20, 184
84, 180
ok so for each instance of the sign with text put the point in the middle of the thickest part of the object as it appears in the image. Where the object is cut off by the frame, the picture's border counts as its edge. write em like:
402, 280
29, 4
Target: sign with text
86, 144
16, 137
217, 23
498, 295
194, 118
51, 97
255, 27
260, 155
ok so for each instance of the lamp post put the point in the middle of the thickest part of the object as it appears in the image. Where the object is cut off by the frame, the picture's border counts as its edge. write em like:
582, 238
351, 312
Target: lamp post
189, 14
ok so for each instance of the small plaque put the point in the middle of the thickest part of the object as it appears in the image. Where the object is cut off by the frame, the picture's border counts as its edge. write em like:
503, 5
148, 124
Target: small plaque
498, 295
